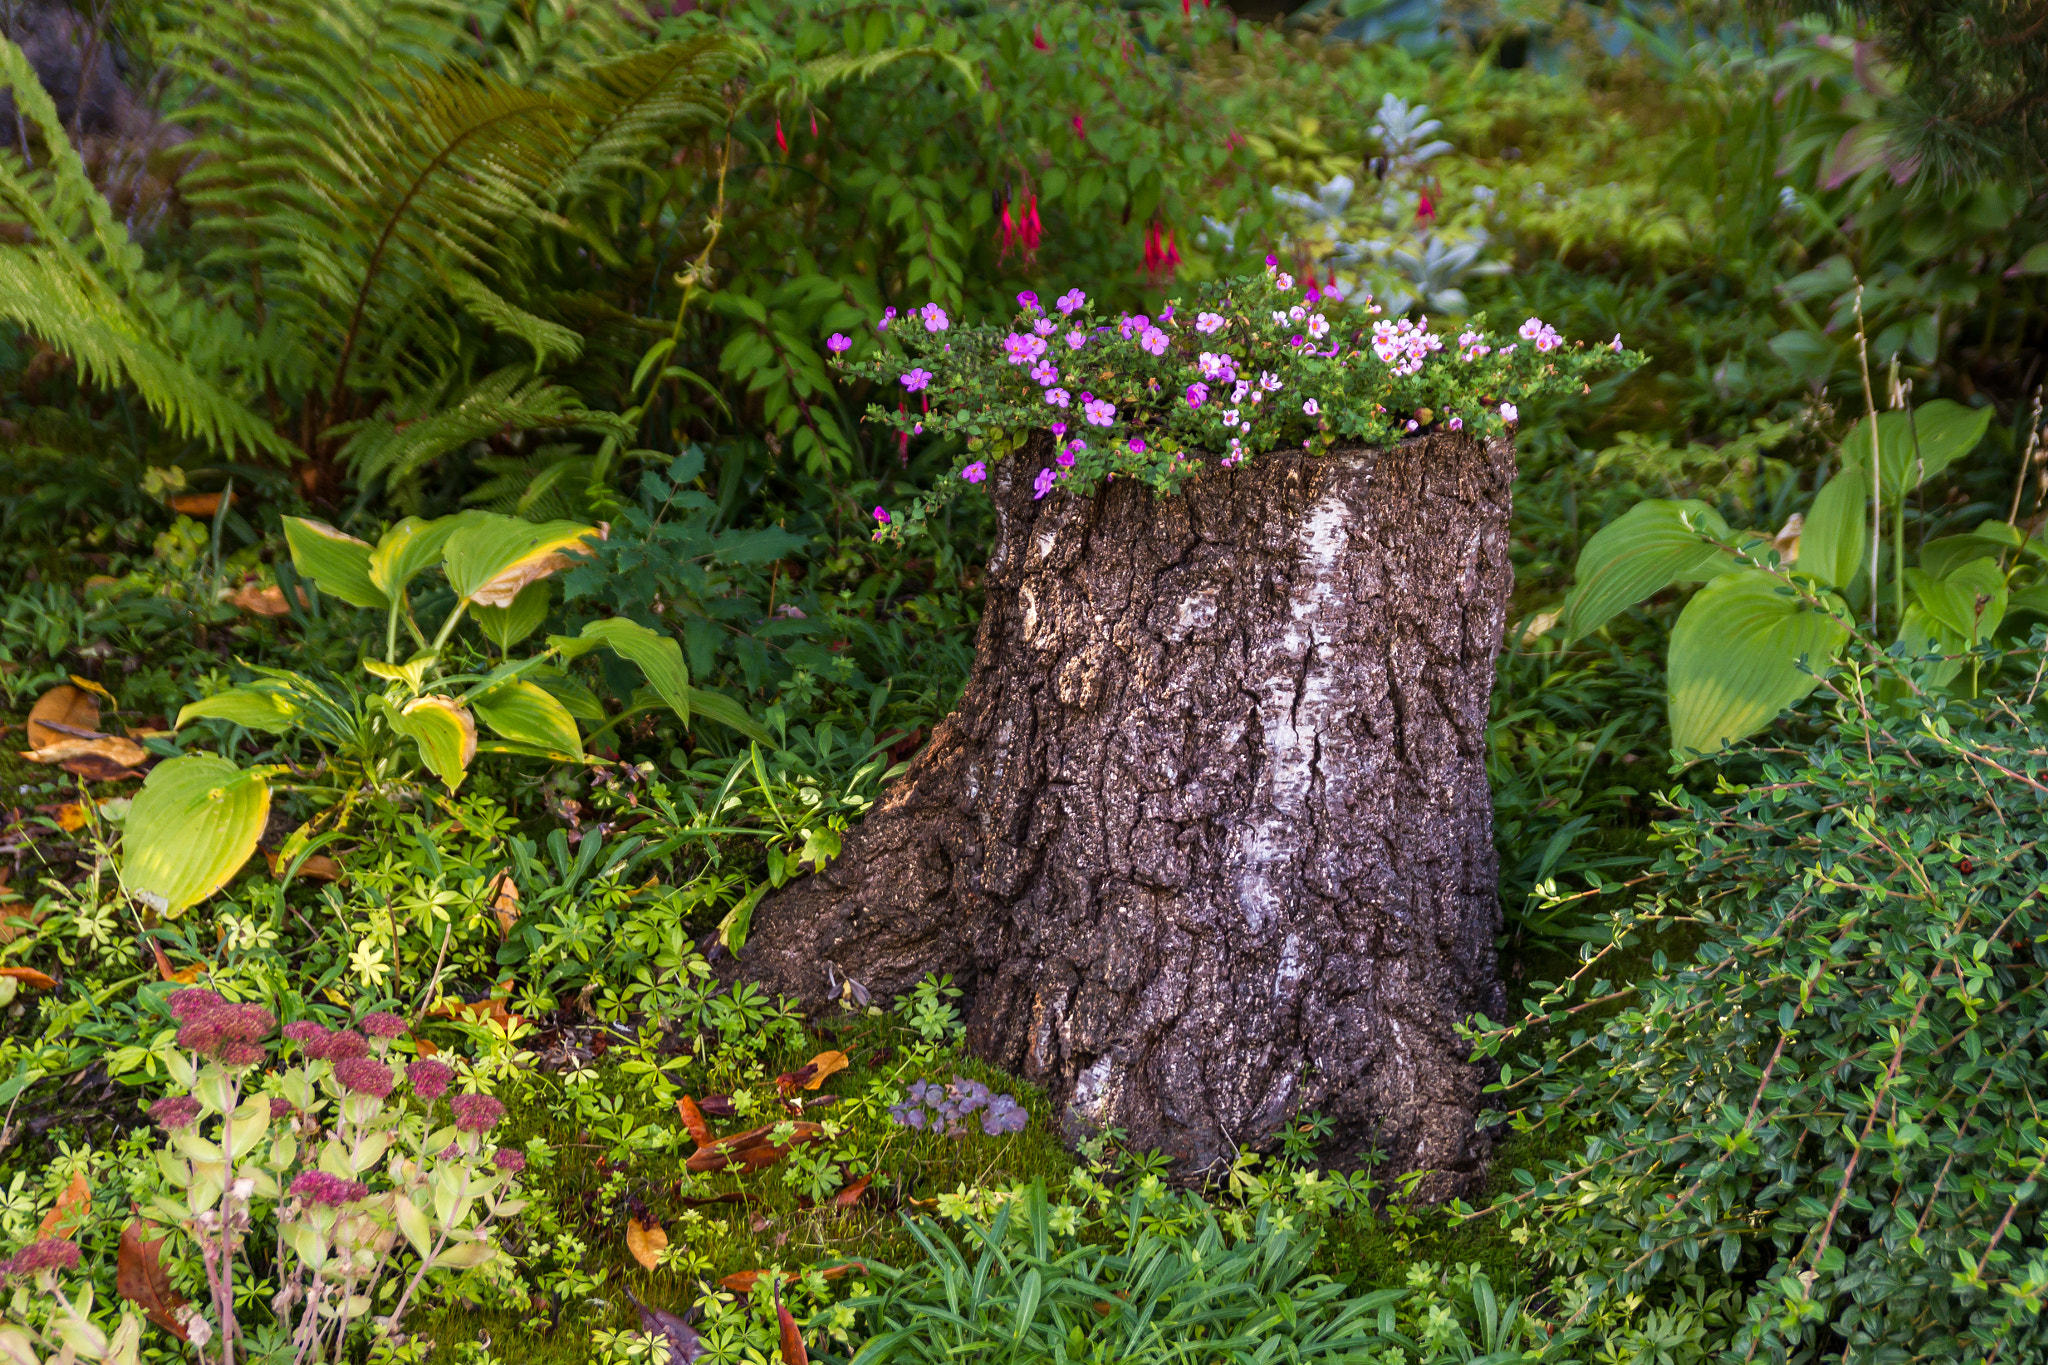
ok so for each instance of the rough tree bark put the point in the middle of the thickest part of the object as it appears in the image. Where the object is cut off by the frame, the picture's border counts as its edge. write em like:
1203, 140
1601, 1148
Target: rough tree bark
1209, 840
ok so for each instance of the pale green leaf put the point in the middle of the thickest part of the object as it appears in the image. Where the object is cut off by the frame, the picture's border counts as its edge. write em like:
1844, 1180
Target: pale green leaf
244, 706
657, 656
490, 560
1837, 531
1653, 545
1969, 600
507, 626
1915, 448
409, 549
191, 827
339, 564
445, 733
527, 714
1735, 656
729, 713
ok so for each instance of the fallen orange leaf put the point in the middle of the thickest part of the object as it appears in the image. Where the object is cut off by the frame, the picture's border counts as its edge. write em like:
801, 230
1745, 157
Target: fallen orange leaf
261, 600
69, 1211
811, 1074
752, 1149
646, 1243
66, 705
505, 903
30, 977
791, 1340
71, 815
184, 976
743, 1281
424, 1047
315, 867
693, 1119
199, 504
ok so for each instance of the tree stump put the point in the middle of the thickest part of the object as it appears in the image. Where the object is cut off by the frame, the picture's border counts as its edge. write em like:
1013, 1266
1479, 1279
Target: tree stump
1209, 840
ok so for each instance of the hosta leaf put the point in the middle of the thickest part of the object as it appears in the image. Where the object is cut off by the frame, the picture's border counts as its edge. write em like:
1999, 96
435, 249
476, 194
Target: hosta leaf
657, 656
1993, 538
580, 701
1837, 530
444, 732
245, 706
191, 827
490, 560
723, 709
1969, 600
338, 564
506, 626
1654, 544
527, 714
1914, 448
1735, 656
409, 549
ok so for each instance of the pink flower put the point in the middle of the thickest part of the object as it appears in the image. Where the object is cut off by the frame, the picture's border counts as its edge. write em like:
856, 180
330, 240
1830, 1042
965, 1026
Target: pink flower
1076, 340
382, 1025
1455, 424
1070, 301
935, 319
1044, 327
1509, 413
1206, 323
1056, 397
882, 515
476, 1113
1043, 483
917, 379
364, 1076
1137, 446
1022, 348
1099, 412
975, 472
429, 1078
1059, 428
1065, 457
49, 1254
1310, 407
509, 1161
1153, 340
1028, 301
1283, 282
179, 1111
837, 343
1198, 394
1045, 373
340, 1046
888, 316
1615, 345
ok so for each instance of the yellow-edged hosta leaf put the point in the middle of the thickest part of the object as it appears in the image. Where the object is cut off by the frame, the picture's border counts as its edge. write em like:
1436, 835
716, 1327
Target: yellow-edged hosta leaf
657, 656
525, 713
410, 548
338, 564
507, 626
444, 732
191, 827
493, 558
244, 706
580, 701
1735, 656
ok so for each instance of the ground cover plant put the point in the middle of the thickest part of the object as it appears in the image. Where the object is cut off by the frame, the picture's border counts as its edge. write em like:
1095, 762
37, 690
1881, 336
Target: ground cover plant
442, 449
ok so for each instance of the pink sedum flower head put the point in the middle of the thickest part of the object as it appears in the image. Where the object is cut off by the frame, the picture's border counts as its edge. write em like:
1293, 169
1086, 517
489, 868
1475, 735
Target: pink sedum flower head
917, 379
430, 1079
179, 1111
975, 472
935, 319
509, 1160
319, 1187
1071, 302
1207, 323
382, 1025
476, 1113
364, 1076
52, 1253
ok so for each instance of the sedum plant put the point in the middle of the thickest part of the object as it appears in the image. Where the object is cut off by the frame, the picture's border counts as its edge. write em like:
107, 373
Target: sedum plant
372, 1175
198, 817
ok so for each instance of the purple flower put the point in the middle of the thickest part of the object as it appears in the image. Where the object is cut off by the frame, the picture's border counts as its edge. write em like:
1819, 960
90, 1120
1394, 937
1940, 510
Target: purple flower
1272, 261
915, 380
364, 1076
1057, 397
1137, 446
1283, 282
230, 1034
476, 1113
1046, 373
1615, 345
1509, 413
49, 1254
1455, 424
1022, 348
1198, 394
1076, 340
429, 1078
1044, 327
509, 1161
882, 515
1153, 340
838, 343
319, 1187
382, 1025
1311, 407
1028, 301
935, 319
888, 316
1070, 301
1043, 484
1296, 340
1003, 1115
975, 472
1205, 323
1058, 428
1065, 457
1100, 412
1166, 313
179, 1111
338, 1047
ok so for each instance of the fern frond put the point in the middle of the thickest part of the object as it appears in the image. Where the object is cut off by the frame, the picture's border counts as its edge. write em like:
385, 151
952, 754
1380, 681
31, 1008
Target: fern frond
548, 339
551, 484
627, 108
823, 72
404, 437
81, 285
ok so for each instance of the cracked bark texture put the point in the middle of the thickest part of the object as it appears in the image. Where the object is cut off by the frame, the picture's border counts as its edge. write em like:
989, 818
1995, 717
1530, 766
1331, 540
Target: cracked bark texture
1209, 840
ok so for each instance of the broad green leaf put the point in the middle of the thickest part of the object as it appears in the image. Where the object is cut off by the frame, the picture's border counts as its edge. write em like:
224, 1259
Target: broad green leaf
490, 560
657, 656
409, 549
444, 732
245, 706
339, 564
1993, 538
412, 1221
1913, 449
1969, 600
1922, 634
580, 701
1735, 658
732, 930
1837, 530
191, 827
413, 672
507, 626
526, 714
2033, 601
1653, 545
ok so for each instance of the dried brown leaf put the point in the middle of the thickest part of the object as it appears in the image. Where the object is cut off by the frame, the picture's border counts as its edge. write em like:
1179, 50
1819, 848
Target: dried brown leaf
505, 904
693, 1119
140, 1278
30, 977
65, 704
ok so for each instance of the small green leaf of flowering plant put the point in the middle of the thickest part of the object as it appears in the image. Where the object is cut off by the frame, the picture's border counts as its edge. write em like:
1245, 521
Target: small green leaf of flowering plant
1253, 365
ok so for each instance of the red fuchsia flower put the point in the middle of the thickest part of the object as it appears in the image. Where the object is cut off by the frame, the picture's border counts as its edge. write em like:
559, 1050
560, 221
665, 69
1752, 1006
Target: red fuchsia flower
1029, 230
48, 1254
814, 123
781, 142
1007, 234
318, 1187
477, 1113
429, 1078
1080, 128
364, 1076
1425, 208
1038, 41
509, 1161
179, 1111
382, 1025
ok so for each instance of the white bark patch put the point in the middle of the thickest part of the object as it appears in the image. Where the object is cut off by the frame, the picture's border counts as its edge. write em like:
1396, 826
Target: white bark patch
1295, 712
1094, 1089
1044, 543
